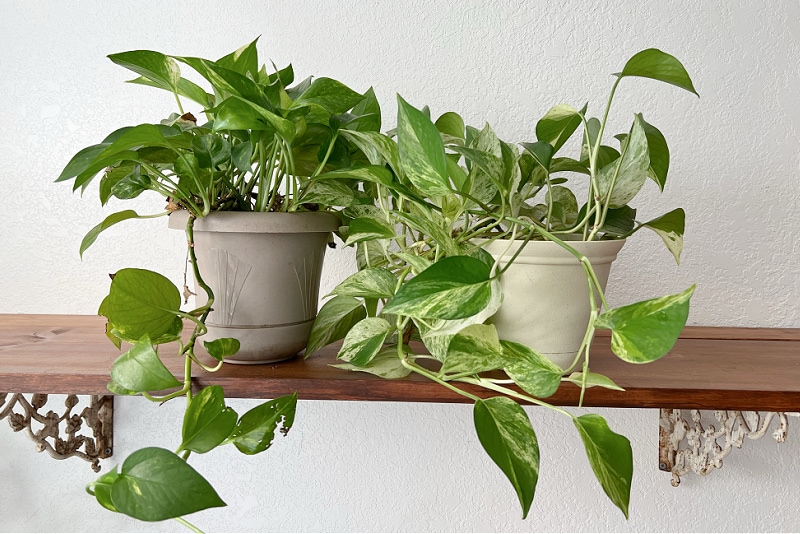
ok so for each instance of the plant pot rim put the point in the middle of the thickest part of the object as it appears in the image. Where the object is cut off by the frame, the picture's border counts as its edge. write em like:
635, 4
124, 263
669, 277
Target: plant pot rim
297, 222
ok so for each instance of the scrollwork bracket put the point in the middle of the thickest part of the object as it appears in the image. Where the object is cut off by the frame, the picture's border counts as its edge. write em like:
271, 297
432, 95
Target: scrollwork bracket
24, 414
688, 445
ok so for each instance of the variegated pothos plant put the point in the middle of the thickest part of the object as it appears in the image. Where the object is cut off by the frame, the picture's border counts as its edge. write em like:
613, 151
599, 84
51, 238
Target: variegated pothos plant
439, 186
263, 145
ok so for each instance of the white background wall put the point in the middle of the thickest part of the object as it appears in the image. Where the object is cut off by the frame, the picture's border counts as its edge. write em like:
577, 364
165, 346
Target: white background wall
410, 467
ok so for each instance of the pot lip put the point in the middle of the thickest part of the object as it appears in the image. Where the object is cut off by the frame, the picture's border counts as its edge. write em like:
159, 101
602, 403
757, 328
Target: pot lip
597, 251
299, 222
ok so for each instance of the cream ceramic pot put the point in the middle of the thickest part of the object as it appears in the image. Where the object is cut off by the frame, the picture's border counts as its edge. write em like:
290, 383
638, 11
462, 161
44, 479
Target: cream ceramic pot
546, 295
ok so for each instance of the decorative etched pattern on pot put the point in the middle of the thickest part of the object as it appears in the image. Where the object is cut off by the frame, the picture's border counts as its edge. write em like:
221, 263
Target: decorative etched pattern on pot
232, 274
308, 279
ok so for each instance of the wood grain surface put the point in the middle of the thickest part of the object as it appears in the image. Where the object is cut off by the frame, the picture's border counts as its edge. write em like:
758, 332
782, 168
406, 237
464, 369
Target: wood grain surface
709, 368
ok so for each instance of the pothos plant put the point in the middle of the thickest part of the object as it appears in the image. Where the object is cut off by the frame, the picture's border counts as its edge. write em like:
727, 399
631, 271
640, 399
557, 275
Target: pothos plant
261, 148
440, 188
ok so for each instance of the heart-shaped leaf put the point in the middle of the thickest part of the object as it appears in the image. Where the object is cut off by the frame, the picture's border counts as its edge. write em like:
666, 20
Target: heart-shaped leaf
506, 434
336, 317
367, 229
558, 125
141, 303
530, 370
647, 330
140, 369
364, 340
368, 283
658, 65
626, 176
421, 151
154, 484
452, 288
256, 429
473, 350
223, 347
670, 228
610, 456
207, 421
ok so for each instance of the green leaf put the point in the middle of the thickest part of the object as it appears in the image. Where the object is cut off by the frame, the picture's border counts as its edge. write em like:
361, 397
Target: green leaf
131, 185
474, 350
530, 370
140, 369
256, 429
592, 380
221, 348
657, 65
154, 484
207, 421
659, 154
154, 66
332, 95
451, 124
541, 151
452, 288
619, 221
421, 151
565, 198
507, 436
610, 456
647, 330
368, 228
385, 364
236, 113
363, 342
101, 489
368, 283
108, 222
329, 193
670, 228
370, 112
336, 317
211, 150
378, 148
244, 60
630, 169
558, 125
140, 303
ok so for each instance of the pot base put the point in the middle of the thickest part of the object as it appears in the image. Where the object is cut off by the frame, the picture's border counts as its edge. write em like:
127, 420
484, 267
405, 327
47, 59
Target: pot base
264, 344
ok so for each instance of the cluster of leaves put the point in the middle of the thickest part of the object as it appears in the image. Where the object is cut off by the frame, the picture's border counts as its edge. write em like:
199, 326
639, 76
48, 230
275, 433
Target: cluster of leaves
261, 148
153, 484
440, 187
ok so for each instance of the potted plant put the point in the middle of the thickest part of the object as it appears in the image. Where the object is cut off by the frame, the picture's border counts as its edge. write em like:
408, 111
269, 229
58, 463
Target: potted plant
447, 196
251, 168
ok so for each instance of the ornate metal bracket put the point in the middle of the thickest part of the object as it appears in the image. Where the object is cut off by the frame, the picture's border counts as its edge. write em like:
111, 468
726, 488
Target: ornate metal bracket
703, 452
23, 414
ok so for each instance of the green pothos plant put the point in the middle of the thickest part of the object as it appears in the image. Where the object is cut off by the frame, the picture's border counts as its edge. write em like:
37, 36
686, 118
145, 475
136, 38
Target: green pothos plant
439, 189
261, 148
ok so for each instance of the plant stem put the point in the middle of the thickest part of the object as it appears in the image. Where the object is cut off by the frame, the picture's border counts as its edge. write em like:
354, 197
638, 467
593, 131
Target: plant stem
188, 525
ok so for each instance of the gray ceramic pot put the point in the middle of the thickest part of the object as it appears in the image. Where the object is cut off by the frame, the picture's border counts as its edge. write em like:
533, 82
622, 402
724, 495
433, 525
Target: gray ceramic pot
264, 269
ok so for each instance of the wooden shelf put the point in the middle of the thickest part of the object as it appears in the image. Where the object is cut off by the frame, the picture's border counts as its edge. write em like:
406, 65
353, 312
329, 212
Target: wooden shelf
709, 368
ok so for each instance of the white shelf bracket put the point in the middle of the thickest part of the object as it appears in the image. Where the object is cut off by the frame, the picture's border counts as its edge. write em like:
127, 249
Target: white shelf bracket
685, 444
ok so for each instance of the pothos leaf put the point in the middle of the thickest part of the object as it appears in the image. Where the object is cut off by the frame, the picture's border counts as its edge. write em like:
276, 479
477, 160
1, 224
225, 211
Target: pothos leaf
506, 434
610, 456
645, 331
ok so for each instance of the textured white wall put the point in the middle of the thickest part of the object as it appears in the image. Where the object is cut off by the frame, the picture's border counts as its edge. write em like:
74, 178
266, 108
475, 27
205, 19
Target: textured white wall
407, 467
